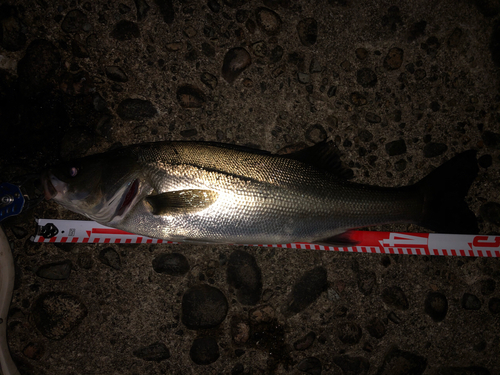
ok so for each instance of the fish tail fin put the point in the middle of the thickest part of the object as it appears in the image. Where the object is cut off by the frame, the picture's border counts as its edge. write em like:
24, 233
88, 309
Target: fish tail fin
444, 191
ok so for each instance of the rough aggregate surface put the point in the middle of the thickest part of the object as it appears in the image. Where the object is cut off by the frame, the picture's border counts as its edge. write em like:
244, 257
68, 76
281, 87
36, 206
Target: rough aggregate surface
400, 87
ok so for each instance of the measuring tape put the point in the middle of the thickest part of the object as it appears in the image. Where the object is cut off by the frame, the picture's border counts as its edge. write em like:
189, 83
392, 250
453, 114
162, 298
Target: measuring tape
80, 231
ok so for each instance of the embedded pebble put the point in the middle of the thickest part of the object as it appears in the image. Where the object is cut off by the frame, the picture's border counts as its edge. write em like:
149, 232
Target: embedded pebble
34, 351
307, 290
316, 133
394, 59
420, 74
85, 261
140, 129
400, 165
268, 21
56, 314
209, 80
366, 77
399, 362
352, 365
331, 91
74, 21
361, 53
111, 258
173, 264
136, 109
12, 36
308, 31
115, 73
156, 352
395, 297
190, 96
376, 328
305, 342
188, 133
436, 306
433, 149
396, 147
244, 274
470, 302
204, 350
203, 307
357, 99
55, 271
259, 49
142, 9
487, 286
303, 78
310, 365
365, 136
214, 5
349, 332
315, 66
494, 305
125, 30
366, 280
372, 118
262, 314
235, 62
166, 8
490, 212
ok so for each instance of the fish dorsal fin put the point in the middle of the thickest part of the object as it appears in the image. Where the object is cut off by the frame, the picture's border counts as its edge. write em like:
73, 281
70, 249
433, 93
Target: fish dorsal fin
181, 201
324, 156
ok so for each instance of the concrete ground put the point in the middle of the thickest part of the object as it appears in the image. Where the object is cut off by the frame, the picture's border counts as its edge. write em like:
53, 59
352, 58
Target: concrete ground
400, 87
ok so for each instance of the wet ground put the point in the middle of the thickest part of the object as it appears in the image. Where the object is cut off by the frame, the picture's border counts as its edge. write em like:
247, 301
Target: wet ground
400, 87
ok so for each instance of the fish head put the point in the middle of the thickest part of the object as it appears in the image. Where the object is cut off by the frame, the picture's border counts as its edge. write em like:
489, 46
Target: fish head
100, 187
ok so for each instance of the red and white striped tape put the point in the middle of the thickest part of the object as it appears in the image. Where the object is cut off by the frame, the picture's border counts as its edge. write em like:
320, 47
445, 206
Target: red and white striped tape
79, 231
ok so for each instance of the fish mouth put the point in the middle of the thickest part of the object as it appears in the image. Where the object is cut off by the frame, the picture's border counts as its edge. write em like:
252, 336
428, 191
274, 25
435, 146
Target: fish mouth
128, 198
49, 190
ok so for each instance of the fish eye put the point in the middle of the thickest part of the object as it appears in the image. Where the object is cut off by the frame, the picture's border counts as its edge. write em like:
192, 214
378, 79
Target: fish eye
73, 171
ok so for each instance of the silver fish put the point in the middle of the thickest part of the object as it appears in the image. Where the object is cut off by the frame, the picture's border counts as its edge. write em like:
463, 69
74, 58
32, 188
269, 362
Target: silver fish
213, 193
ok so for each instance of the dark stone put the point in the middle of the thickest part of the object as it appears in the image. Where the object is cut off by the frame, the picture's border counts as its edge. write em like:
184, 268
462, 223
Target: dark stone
268, 21
331, 91
244, 274
214, 5
395, 297
125, 30
190, 97
394, 59
316, 133
400, 165
310, 365
491, 139
12, 36
259, 49
173, 264
209, 80
396, 147
188, 133
352, 365
357, 99
436, 306
365, 136
276, 54
111, 258
204, 351
366, 280
207, 49
366, 77
485, 161
55, 271
74, 21
305, 342
142, 9
487, 286
136, 109
37, 69
361, 53
116, 74
56, 314
203, 307
399, 362
376, 328
85, 261
315, 66
166, 8
349, 332
420, 74
156, 352
435, 106
308, 31
307, 290
470, 302
235, 62
372, 118
494, 305
433, 149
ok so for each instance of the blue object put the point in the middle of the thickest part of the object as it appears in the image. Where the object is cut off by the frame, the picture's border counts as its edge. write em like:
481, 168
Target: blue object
11, 200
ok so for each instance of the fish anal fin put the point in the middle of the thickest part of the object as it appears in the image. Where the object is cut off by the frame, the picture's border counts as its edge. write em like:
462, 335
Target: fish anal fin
340, 240
181, 201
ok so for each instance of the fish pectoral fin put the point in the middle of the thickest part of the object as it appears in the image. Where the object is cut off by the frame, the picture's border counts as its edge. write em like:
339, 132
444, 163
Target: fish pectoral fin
181, 201
343, 240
